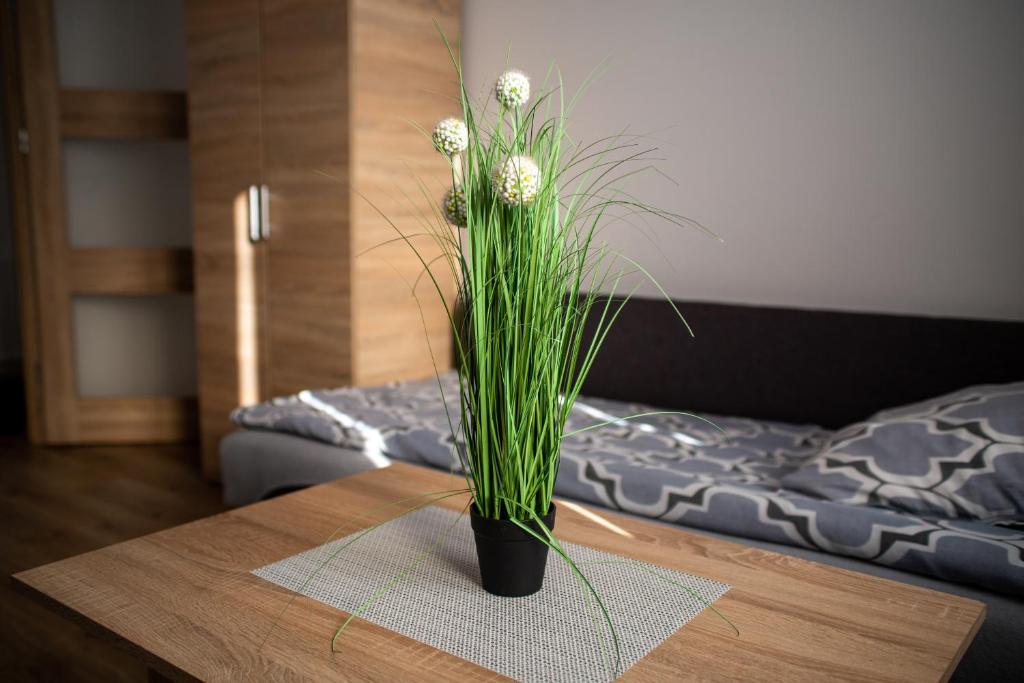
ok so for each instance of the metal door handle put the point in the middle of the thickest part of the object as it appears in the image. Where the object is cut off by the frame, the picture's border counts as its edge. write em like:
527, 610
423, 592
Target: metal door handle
254, 213
264, 212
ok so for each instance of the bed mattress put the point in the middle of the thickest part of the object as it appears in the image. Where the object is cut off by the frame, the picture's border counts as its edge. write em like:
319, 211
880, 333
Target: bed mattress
722, 474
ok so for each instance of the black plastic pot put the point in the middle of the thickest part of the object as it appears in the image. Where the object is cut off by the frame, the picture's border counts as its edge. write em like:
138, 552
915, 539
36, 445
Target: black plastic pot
512, 562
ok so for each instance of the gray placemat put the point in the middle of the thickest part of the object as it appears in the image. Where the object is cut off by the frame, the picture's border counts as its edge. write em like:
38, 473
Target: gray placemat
552, 635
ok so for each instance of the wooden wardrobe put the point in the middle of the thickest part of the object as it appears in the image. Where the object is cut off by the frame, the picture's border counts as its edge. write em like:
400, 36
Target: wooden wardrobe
299, 112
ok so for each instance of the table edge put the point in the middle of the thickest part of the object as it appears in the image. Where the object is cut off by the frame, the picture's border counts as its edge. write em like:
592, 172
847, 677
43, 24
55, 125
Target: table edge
967, 641
23, 586
22, 581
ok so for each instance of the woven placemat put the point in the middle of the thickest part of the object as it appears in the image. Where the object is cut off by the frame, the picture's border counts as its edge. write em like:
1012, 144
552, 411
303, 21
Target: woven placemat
552, 635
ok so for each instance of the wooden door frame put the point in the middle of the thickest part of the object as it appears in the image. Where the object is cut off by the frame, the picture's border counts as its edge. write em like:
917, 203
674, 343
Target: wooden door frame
37, 184
13, 119
39, 115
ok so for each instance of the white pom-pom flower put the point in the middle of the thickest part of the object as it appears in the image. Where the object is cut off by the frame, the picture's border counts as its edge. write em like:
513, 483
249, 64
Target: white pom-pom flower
512, 89
450, 137
455, 206
517, 180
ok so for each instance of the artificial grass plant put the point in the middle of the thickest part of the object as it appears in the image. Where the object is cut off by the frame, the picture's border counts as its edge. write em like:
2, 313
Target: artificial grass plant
518, 230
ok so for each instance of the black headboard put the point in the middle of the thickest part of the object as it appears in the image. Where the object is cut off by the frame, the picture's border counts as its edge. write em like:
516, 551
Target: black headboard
825, 367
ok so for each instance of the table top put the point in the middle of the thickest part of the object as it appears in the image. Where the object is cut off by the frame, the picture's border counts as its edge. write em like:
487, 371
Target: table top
184, 600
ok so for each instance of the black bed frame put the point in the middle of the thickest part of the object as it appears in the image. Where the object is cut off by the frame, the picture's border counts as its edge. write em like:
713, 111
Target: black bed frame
825, 367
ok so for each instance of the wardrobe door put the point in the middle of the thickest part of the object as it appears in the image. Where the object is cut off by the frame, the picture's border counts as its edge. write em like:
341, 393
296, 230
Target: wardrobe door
401, 74
223, 50
306, 150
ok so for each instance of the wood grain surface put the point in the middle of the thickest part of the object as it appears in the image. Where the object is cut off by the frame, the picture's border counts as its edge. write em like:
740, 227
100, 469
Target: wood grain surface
185, 602
130, 271
305, 141
314, 100
135, 419
223, 56
21, 214
60, 502
43, 228
122, 114
401, 77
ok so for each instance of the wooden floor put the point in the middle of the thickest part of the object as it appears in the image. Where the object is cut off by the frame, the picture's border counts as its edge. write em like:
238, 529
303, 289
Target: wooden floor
59, 502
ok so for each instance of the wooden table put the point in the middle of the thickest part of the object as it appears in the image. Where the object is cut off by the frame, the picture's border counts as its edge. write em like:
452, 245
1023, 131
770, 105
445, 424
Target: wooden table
183, 600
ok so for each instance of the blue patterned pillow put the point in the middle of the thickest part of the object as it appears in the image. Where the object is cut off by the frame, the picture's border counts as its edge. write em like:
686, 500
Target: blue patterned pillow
959, 455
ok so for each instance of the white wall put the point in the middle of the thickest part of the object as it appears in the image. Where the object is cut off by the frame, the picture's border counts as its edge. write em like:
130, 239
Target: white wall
854, 154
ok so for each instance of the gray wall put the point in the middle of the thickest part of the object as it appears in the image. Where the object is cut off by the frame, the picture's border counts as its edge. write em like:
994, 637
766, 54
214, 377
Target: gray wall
858, 155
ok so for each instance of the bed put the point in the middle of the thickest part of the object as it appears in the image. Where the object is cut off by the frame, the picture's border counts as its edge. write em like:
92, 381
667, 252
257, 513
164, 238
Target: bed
805, 382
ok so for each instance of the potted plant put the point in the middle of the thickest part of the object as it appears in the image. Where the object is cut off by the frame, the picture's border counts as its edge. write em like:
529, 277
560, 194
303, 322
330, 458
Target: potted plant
518, 230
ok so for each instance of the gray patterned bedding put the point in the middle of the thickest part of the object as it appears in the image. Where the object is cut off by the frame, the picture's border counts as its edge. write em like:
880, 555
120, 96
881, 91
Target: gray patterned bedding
730, 479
